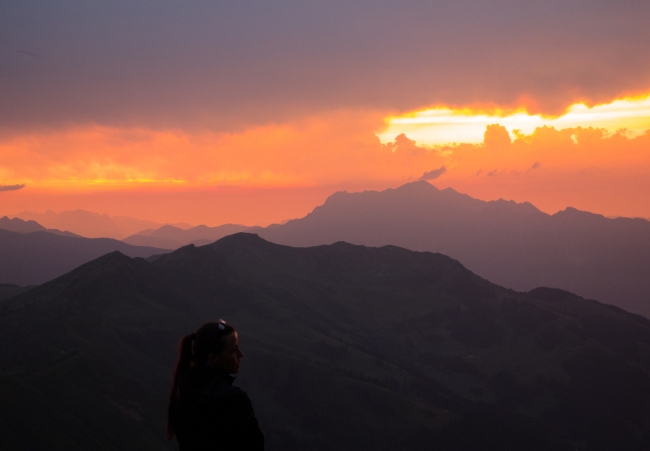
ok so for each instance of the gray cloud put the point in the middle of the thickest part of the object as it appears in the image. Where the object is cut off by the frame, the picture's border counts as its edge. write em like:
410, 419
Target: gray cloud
28, 53
224, 64
433, 174
11, 187
535, 165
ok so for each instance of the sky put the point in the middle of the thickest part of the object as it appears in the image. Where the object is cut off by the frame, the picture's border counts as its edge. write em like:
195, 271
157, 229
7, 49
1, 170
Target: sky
253, 112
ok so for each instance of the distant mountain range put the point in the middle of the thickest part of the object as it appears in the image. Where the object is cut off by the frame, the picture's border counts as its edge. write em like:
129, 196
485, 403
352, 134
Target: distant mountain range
511, 244
20, 226
35, 257
346, 347
91, 225
171, 237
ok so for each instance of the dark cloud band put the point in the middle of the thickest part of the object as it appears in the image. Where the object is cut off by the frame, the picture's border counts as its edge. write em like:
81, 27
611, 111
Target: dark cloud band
11, 187
229, 64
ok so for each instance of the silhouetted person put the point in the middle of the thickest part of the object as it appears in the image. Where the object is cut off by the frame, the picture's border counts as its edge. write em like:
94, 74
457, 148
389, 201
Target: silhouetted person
205, 411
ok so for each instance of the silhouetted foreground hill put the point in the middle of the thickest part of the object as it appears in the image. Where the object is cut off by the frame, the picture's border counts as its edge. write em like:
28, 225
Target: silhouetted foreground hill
36, 257
347, 348
170, 237
8, 290
514, 245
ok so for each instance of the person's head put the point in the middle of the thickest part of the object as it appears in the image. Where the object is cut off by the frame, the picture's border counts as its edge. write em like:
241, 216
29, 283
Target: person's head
216, 345
213, 345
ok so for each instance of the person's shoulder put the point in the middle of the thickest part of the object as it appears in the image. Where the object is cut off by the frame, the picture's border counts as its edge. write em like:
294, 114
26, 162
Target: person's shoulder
234, 394
238, 403
223, 388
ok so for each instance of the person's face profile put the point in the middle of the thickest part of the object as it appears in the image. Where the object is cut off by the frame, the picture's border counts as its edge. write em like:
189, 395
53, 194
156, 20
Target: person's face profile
229, 358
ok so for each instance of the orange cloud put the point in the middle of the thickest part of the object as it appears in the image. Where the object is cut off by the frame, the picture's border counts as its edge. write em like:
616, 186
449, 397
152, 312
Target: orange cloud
338, 148
572, 150
496, 136
584, 167
587, 168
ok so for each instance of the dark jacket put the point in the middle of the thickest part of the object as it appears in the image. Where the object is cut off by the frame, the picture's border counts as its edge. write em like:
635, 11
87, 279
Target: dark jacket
215, 416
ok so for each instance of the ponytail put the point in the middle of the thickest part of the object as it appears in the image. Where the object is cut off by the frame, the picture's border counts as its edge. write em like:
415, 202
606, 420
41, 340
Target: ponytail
181, 372
193, 350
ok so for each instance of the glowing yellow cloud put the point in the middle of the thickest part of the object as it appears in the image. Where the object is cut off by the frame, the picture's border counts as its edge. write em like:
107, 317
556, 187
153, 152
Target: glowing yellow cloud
444, 126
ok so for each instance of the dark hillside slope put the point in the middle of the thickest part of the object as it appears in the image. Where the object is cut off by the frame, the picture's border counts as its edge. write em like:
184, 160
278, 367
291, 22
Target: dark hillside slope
511, 244
8, 290
347, 347
71, 349
36, 257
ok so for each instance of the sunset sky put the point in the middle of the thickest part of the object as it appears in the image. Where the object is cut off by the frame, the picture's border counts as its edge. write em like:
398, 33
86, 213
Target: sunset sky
253, 112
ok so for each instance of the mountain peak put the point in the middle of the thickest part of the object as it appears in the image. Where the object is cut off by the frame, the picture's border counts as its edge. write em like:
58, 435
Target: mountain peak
418, 184
245, 238
20, 225
571, 213
419, 189
168, 228
112, 259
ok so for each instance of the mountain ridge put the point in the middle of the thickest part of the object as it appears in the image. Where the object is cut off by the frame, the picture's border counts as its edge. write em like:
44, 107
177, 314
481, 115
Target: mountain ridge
89, 224
347, 347
512, 244
21, 226
36, 257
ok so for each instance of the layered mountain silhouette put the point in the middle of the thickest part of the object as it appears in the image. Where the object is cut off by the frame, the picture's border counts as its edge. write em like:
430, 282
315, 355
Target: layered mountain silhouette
20, 226
170, 237
346, 347
91, 225
35, 257
512, 244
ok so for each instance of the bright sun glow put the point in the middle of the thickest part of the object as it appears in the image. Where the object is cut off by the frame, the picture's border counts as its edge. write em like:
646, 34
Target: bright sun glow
444, 126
